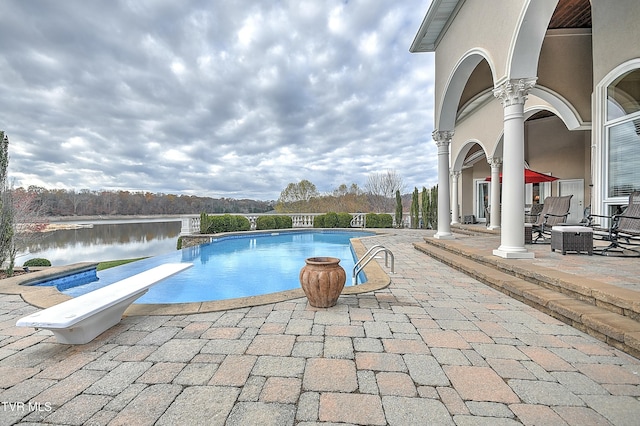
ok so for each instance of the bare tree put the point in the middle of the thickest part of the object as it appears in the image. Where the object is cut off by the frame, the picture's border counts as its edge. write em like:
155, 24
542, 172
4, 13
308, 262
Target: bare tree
6, 219
28, 223
381, 188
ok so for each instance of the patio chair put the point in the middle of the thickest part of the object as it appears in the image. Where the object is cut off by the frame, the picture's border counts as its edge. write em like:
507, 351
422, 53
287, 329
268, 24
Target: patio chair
554, 211
534, 213
623, 232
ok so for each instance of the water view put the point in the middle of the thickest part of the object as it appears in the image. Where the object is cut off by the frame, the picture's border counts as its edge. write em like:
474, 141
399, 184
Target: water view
105, 241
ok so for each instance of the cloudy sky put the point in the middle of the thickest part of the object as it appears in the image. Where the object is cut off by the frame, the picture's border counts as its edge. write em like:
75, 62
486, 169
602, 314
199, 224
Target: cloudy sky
214, 98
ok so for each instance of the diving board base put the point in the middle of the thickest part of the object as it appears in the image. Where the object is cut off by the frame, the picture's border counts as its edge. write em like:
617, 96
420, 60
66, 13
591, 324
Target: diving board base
93, 326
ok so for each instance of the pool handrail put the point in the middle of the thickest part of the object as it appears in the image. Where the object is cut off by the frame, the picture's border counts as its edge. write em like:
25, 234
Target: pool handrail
368, 256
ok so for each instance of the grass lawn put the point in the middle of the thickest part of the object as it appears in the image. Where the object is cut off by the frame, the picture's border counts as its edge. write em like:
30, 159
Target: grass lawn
112, 263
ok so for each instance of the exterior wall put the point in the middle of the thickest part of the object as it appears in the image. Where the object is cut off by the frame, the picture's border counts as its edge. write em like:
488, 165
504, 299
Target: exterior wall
550, 147
615, 42
484, 125
478, 25
194, 240
565, 67
615, 34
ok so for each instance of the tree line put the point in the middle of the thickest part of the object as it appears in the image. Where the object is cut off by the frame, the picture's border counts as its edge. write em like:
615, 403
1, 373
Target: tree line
377, 196
302, 197
61, 202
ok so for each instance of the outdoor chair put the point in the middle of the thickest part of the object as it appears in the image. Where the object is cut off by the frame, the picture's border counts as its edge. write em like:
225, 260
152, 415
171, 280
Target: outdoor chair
623, 232
554, 211
586, 217
534, 213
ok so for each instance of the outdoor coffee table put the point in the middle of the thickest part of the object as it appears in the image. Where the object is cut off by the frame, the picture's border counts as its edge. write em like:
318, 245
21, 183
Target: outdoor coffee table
572, 238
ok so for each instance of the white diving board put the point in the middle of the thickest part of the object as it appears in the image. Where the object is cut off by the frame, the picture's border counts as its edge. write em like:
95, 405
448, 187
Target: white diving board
81, 319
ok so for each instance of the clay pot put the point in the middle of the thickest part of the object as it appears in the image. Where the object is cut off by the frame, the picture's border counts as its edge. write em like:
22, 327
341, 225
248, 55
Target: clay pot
322, 279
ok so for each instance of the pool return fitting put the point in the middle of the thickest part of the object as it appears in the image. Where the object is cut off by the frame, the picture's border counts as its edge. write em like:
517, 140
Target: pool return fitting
368, 256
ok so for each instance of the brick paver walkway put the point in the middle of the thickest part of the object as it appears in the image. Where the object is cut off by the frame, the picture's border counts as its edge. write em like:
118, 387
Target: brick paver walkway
436, 347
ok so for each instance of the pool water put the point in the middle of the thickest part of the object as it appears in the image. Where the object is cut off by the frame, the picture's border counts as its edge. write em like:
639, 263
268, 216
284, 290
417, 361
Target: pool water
235, 266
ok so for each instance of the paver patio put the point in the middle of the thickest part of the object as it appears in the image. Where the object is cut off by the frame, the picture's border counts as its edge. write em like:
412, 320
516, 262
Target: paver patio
435, 347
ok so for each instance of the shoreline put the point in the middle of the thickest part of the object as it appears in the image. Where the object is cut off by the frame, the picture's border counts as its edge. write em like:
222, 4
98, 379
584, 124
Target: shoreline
107, 218
56, 223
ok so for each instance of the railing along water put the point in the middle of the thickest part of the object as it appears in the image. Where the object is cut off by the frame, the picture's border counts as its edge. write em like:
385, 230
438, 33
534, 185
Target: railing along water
191, 223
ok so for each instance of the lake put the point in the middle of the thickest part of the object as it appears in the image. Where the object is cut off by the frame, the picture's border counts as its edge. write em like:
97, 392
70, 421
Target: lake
106, 240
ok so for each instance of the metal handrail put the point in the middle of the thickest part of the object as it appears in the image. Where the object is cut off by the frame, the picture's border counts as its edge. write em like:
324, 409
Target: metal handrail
357, 268
372, 248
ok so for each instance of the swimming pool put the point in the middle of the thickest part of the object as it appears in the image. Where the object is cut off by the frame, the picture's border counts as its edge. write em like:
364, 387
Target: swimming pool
235, 266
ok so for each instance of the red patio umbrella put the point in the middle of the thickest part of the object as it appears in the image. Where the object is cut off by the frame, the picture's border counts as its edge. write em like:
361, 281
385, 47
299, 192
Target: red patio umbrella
531, 176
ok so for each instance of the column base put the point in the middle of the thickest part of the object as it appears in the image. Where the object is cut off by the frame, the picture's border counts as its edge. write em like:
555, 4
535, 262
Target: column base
513, 253
493, 228
444, 236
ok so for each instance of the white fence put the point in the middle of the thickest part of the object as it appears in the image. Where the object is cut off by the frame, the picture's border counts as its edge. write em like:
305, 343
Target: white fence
191, 223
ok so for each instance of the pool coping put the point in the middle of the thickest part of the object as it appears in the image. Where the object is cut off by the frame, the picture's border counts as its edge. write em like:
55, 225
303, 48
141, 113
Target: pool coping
47, 296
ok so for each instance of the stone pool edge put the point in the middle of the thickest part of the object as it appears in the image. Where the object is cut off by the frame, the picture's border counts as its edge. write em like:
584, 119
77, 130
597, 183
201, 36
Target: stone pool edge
45, 297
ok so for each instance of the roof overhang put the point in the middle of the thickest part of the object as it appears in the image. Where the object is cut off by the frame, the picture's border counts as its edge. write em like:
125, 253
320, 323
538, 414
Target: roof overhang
435, 24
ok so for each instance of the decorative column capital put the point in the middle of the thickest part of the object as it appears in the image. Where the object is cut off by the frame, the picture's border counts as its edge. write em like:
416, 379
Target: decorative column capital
514, 92
494, 161
455, 174
442, 137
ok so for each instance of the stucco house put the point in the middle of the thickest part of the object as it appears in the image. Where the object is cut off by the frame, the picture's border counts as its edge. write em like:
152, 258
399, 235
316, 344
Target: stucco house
550, 85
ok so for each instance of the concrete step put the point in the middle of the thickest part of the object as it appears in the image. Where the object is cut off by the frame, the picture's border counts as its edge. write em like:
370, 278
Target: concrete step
606, 312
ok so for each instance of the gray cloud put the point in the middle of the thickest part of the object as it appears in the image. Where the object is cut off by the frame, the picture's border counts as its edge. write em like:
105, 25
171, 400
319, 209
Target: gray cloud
226, 99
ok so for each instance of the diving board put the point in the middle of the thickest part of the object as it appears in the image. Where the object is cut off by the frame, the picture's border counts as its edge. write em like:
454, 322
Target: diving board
81, 319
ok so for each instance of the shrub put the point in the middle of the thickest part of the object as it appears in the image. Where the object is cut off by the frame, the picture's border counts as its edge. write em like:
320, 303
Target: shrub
371, 220
37, 261
215, 225
344, 220
265, 222
224, 223
274, 222
179, 244
284, 222
242, 223
331, 220
383, 220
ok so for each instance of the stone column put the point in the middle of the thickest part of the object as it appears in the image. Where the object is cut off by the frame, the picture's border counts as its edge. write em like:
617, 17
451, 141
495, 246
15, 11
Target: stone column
495, 163
512, 95
454, 198
443, 139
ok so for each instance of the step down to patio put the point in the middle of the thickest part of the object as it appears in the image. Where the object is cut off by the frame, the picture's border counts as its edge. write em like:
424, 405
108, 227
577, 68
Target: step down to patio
609, 313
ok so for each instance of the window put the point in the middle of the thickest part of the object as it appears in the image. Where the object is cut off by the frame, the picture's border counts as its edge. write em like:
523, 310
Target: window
623, 95
482, 198
540, 191
623, 135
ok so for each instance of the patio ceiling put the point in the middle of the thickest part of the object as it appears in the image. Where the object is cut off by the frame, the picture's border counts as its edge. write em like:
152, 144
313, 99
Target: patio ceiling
568, 14
571, 14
